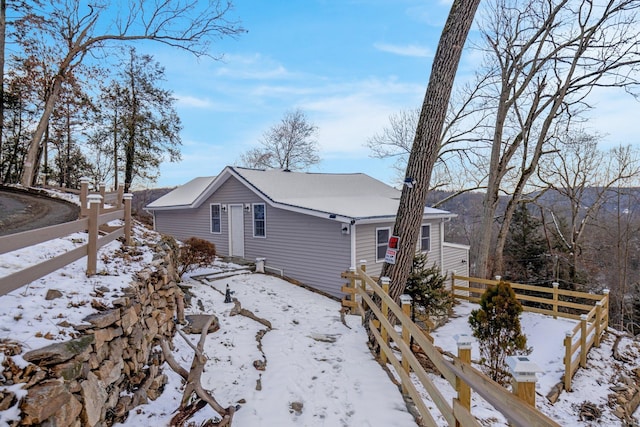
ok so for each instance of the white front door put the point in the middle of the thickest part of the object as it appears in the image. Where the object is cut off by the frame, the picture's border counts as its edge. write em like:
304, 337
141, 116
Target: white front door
236, 230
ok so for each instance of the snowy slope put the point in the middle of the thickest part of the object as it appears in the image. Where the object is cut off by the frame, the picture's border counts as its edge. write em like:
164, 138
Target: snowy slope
307, 380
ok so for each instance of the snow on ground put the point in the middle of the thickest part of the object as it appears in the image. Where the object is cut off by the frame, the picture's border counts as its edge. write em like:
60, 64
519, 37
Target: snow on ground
307, 381
35, 322
546, 335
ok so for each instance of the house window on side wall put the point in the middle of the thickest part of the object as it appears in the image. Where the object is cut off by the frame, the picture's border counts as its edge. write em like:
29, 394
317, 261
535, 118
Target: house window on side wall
215, 218
425, 238
382, 239
259, 220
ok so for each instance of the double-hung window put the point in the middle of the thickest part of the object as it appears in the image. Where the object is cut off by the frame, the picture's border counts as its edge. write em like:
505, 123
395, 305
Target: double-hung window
382, 239
215, 218
259, 220
425, 238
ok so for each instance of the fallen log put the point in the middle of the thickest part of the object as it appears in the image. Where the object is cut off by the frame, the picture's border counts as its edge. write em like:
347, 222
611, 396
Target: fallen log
193, 384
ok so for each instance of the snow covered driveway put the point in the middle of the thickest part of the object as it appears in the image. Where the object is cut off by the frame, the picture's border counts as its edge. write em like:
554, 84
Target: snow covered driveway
307, 381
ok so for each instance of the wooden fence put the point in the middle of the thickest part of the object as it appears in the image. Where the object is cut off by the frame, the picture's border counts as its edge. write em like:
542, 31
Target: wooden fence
93, 215
457, 371
591, 310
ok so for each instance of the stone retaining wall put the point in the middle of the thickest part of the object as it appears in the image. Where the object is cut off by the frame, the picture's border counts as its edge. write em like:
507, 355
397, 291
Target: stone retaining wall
97, 378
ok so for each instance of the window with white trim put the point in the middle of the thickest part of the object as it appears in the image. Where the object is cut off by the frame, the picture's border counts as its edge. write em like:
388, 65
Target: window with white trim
382, 240
259, 220
216, 226
425, 238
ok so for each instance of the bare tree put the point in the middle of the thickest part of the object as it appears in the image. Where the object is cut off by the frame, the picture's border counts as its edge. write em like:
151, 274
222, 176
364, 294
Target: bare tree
3, 36
426, 146
289, 145
459, 167
586, 178
546, 58
76, 28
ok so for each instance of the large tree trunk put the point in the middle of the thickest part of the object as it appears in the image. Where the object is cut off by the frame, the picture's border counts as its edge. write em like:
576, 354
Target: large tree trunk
427, 140
30, 163
3, 35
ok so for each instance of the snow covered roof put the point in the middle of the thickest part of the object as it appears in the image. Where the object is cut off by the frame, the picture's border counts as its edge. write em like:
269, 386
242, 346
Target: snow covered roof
183, 196
343, 196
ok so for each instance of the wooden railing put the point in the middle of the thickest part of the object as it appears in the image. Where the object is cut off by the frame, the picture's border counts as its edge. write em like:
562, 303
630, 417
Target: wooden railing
91, 223
461, 375
593, 317
112, 198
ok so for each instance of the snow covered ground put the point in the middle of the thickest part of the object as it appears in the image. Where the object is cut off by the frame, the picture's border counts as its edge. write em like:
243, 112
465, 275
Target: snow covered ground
318, 372
308, 380
339, 383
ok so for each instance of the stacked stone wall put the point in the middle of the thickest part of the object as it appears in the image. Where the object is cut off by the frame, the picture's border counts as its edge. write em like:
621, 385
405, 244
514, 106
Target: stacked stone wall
112, 366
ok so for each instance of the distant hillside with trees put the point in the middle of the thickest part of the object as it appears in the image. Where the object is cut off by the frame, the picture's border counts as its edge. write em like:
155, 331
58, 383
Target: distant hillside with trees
588, 244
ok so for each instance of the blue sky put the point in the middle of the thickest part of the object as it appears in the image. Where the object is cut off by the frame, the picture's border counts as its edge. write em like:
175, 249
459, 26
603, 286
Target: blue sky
348, 64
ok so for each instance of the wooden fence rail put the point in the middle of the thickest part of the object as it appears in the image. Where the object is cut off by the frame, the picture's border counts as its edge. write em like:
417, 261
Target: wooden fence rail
592, 312
91, 223
459, 374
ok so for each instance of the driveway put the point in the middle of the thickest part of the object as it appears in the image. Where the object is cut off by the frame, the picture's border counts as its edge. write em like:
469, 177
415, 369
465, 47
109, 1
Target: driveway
22, 210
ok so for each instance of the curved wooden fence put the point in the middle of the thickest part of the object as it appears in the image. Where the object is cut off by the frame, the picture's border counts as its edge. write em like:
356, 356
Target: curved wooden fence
459, 374
591, 310
90, 224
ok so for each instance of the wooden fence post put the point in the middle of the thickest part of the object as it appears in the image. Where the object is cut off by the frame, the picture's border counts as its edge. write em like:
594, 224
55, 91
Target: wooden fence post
127, 218
405, 300
84, 192
102, 188
596, 341
92, 245
523, 372
605, 303
583, 340
555, 299
353, 285
453, 285
385, 313
568, 343
363, 286
464, 342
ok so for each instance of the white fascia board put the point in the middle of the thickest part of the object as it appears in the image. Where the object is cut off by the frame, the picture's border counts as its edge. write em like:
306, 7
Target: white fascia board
374, 220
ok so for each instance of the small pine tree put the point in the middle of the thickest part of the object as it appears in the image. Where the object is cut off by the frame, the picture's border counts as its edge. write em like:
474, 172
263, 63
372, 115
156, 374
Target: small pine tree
426, 287
525, 248
496, 325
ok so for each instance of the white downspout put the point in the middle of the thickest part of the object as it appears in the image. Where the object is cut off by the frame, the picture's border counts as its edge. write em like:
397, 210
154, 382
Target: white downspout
353, 246
441, 244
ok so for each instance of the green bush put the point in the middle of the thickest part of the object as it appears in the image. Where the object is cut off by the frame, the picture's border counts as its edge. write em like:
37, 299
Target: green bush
196, 253
496, 325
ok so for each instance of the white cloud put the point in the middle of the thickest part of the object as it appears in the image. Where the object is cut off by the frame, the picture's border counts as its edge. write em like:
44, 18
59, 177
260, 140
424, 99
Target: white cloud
188, 101
405, 50
347, 120
253, 67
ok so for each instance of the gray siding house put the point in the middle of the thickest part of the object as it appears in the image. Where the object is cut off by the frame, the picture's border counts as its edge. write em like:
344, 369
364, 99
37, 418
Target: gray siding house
308, 226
